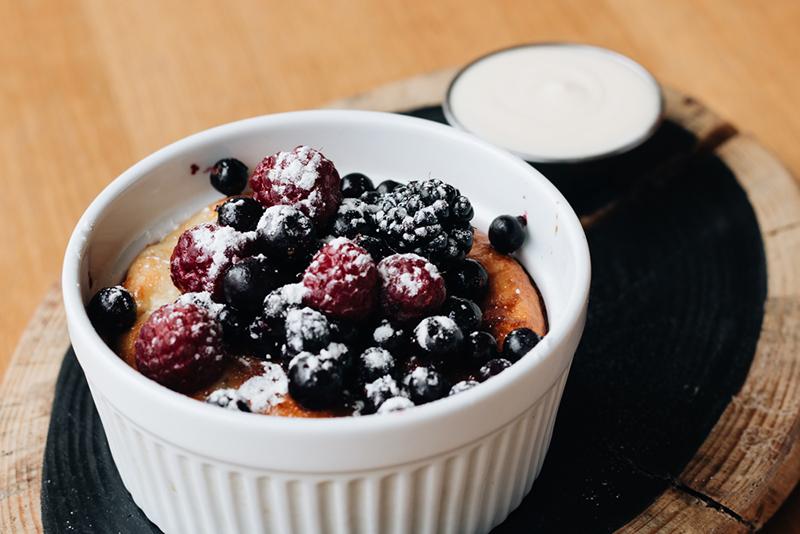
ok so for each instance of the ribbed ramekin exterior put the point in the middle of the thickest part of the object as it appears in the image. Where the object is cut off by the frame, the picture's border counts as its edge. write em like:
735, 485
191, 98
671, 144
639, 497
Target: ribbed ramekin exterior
470, 489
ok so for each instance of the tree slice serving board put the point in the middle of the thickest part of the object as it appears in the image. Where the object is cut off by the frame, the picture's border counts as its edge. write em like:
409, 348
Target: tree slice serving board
683, 404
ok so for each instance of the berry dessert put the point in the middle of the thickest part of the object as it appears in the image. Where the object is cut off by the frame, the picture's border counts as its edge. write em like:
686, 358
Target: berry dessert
311, 295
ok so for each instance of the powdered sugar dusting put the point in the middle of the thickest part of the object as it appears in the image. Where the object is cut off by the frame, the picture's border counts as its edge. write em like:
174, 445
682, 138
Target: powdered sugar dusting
383, 332
203, 300
422, 332
462, 386
384, 384
404, 271
265, 390
395, 404
298, 167
302, 324
377, 358
216, 243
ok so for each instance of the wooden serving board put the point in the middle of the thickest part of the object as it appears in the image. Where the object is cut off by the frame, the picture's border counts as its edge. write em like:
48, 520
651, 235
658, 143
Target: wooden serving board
738, 472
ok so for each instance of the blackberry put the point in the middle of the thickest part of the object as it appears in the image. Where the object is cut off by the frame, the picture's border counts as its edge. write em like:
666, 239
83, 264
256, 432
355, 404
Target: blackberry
355, 184
112, 310
229, 176
425, 217
240, 213
519, 342
352, 219
376, 247
462, 209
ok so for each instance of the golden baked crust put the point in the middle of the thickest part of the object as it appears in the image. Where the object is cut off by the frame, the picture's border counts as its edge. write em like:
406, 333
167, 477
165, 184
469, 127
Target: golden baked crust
511, 302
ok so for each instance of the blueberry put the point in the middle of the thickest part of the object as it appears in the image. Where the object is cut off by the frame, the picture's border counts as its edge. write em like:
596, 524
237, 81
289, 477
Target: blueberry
263, 338
387, 186
245, 284
425, 385
379, 391
438, 336
228, 399
374, 363
464, 312
352, 219
467, 279
507, 233
519, 342
481, 347
306, 330
370, 197
279, 301
286, 232
112, 310
235, 331
391, 337
461, 209
345, 332
355, 184
314, 383
376, 246
240, 213
462, 386
494, 367
229, 176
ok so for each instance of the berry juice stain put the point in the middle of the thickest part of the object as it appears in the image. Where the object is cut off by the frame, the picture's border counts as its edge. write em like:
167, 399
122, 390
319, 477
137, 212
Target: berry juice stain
193, 168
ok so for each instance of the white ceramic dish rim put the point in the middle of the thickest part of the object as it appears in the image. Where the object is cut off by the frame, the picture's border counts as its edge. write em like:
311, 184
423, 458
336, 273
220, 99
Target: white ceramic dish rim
302, 428
452, 119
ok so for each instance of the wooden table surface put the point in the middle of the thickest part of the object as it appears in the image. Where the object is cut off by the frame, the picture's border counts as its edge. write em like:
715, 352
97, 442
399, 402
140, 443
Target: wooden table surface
89, 87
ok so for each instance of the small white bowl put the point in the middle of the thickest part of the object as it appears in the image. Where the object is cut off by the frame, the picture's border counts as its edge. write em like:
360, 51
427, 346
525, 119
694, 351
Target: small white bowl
460, 464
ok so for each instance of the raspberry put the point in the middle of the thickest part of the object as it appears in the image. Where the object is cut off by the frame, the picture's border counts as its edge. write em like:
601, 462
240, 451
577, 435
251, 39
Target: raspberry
202, 255
341, 280
302, 178
411, 286
180, 347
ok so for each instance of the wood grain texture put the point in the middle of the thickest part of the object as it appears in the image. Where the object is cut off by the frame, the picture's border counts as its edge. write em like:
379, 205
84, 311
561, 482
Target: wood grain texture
26, 397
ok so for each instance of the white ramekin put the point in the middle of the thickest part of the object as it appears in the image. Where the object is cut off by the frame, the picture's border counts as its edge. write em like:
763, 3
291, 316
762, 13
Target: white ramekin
460, 464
